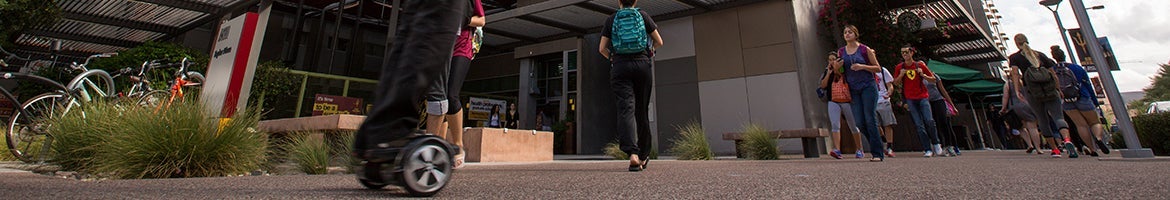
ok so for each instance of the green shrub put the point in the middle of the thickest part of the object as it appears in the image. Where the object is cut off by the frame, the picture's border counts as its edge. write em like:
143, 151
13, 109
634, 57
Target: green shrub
1153, 131
309, 151
691, 143
613, 149
342, 148
120, 141
758, 144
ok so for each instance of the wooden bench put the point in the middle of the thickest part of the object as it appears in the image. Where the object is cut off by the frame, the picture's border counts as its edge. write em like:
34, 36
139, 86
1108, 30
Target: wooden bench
808, 138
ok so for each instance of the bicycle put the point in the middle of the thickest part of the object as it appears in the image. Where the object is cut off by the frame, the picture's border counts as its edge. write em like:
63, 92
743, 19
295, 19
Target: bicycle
183, 79
27, 138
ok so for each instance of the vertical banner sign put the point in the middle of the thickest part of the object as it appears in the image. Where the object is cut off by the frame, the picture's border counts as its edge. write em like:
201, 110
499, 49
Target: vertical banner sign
480, 108
233, 62
324, 104
1083, 51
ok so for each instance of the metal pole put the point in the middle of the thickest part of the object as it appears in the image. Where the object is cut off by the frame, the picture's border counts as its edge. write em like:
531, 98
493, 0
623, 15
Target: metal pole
978, 126
1063, 33
295, 44
336, 33
301, 96
1135, 149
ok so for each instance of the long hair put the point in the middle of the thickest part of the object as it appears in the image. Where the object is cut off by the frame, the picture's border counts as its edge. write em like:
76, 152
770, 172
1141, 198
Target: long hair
1022, 43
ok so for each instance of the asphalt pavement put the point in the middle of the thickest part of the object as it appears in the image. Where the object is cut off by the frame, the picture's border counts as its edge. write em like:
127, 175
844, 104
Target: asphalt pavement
975, 175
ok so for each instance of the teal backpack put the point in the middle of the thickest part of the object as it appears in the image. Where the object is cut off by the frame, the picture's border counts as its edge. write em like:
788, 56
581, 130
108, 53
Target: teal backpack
629, 32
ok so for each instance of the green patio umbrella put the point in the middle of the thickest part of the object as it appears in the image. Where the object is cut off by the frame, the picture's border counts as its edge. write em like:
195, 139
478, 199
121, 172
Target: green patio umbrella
979, 86
951, 72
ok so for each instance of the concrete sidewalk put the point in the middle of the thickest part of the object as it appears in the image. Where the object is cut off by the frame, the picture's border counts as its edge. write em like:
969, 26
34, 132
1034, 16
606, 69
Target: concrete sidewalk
975, 175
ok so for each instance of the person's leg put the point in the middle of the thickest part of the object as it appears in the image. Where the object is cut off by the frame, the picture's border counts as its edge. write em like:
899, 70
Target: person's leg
623, 88
835, 125
1082, 128
1095, 128
424, 42
643, 87
1033, 132
869, 127
1055, 111
851, 118
942, 124
917, 113
454, 115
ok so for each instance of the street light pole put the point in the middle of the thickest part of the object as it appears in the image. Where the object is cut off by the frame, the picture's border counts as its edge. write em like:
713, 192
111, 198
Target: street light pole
1054, 5
1135, 149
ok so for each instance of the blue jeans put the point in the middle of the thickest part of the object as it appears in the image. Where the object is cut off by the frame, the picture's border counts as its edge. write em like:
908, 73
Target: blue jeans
923, 120
865, 113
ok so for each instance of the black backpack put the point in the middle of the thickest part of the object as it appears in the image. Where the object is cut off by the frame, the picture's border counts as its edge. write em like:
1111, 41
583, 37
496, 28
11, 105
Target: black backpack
1070, 86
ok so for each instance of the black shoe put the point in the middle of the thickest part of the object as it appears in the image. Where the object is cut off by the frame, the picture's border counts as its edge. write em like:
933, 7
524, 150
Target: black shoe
1101, 145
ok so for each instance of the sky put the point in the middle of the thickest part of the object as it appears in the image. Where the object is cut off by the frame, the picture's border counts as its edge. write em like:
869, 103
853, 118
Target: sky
1136, 30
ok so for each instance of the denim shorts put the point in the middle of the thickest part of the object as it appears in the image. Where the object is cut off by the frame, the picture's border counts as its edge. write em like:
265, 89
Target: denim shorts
1082, 104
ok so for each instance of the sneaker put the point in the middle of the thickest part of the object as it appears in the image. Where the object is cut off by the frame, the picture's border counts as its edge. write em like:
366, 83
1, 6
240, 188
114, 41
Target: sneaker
860, 154
950, 151
928, 154
1072, 151
835, 153
957, 153
1056, 153
890, 153
938, 150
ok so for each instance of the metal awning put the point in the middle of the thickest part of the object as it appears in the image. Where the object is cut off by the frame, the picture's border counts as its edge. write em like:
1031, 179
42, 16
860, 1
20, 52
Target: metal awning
965, 41
99, 26
559, 19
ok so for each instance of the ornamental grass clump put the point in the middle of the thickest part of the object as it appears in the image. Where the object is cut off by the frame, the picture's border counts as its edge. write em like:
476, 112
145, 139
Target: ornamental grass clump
691, 143
178, 141
758, 144
309, 151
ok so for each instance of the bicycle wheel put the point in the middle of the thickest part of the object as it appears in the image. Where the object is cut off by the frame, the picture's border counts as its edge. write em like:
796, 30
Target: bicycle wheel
153, 98
91, 85
26, 136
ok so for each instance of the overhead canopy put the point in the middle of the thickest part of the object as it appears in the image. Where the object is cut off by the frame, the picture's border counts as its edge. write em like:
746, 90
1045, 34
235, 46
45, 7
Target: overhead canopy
979, 86
960, 37
953, 73
99, 26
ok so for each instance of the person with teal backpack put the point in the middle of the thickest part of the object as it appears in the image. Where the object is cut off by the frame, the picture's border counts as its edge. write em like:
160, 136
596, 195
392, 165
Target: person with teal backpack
626, 41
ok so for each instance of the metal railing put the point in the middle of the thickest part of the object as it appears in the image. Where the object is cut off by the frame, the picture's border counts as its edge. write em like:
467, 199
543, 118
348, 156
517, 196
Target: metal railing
305, 80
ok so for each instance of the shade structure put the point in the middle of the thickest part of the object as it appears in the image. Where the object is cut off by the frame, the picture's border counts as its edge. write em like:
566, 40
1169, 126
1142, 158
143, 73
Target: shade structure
953, 73
979, 86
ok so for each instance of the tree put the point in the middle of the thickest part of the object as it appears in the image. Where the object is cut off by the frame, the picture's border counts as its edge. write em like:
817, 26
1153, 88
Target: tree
21, 15
1159, 90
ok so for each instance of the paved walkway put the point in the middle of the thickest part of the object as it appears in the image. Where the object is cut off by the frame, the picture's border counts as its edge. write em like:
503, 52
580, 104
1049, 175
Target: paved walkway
975, 175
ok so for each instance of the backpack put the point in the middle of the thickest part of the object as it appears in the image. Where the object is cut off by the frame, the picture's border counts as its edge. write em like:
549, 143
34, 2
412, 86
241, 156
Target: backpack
1069, 85
1038, 82
476, 39
629, 32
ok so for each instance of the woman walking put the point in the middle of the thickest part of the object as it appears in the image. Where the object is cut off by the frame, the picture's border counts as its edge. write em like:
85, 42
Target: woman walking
1032, 73
839, 106
861, 63
939, 98
444, 93
1021, 117
912, 75
1081, 104
624, 39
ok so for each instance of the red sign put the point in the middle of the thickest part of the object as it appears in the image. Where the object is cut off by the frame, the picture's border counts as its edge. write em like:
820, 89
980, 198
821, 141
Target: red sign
332, 105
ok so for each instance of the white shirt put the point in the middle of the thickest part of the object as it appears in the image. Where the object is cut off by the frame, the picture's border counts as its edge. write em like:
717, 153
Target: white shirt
883, 78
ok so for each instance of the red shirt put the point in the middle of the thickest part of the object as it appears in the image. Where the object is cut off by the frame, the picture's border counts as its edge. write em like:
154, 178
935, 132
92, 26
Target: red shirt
912, 86
463, 46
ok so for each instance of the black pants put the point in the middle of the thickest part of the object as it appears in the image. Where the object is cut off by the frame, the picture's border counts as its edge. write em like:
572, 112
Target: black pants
447, 87
946, 134
422, 47
632, 81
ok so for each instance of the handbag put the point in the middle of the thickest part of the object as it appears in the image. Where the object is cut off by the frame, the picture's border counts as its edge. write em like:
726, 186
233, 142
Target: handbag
823, 92
951, 111
841, 91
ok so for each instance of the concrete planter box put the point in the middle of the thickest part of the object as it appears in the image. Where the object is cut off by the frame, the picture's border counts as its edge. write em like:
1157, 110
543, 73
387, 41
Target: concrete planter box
507, 145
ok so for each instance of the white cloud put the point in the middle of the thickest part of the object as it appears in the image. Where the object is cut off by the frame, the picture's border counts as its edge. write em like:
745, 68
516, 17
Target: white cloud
1136, 31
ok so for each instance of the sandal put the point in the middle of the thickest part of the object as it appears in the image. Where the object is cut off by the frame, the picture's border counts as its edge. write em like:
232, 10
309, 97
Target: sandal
635, 165
459, 159
876, 159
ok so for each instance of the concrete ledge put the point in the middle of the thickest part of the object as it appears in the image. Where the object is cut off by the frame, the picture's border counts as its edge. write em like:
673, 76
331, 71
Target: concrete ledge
313, 123
507, 145
794, 133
